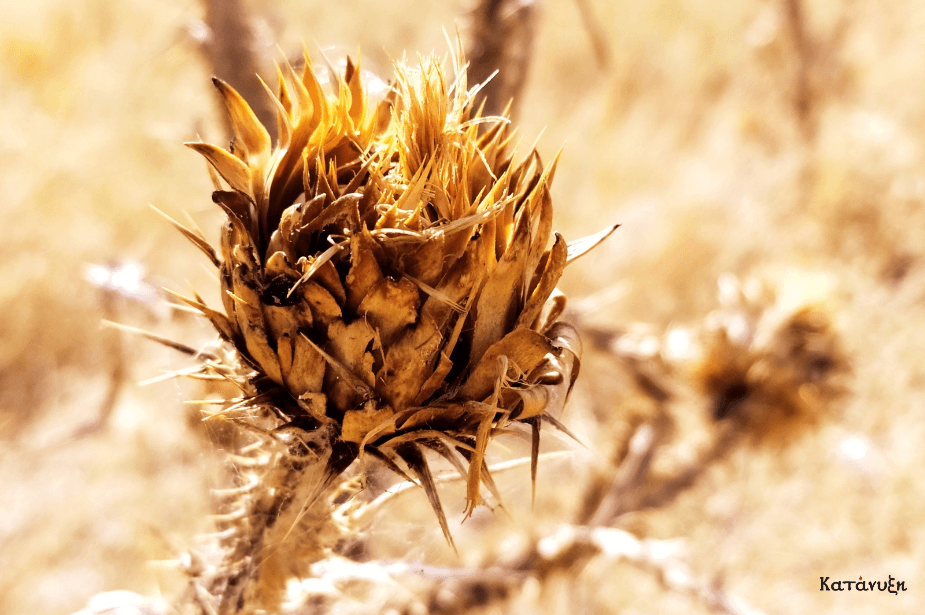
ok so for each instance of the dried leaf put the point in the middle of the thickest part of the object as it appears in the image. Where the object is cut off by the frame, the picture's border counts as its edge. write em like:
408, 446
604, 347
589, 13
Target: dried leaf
250, 321
248, 130
415, 354
551, 311
433, 417
349, 344
554, 266
437, 379
240, 210
390, 306
502, 296
364, 270
343, 371
580, 247
359, 423
324, 308
232, 169
525, 348
425, 261
279, 267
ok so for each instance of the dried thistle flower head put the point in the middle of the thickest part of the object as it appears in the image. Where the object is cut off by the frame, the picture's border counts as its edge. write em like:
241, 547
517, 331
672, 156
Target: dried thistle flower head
773, 369
387, 279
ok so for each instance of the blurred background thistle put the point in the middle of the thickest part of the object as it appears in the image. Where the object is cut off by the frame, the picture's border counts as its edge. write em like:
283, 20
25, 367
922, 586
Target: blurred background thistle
768, 179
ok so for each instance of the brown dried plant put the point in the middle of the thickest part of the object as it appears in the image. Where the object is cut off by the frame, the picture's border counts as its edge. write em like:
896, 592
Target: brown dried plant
388, 290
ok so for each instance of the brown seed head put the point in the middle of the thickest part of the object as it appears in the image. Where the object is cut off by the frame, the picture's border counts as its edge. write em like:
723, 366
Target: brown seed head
386, 271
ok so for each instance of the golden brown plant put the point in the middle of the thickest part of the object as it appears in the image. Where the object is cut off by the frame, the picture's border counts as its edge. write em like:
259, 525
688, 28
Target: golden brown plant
772, 378
388, 290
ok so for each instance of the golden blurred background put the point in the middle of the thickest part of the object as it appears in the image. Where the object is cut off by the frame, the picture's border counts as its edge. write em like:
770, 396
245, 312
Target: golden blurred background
761, 156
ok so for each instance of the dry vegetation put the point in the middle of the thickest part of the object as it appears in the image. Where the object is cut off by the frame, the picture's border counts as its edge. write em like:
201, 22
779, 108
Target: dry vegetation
763, 157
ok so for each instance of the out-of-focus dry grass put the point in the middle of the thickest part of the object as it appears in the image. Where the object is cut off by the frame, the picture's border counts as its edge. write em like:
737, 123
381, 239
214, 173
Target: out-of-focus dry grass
694, 137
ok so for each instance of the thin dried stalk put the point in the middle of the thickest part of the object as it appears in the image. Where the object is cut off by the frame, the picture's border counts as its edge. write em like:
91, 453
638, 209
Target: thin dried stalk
233, 50
501, 41
802, 94
456, 590
595, 32
571, 544
817, 71
118, 373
